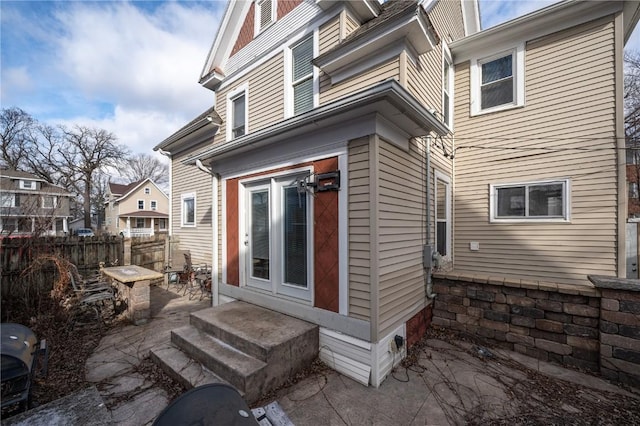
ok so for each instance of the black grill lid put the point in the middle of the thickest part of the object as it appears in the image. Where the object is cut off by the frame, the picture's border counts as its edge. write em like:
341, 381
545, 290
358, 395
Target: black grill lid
17, 345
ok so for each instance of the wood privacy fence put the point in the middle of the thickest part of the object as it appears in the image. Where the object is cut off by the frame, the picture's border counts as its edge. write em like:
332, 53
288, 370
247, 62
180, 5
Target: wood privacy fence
16, 254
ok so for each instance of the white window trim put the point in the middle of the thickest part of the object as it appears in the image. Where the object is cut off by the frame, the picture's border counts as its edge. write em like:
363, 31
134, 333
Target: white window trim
7, 200
54, 200
276, 284
147, 191
438, 175
230, 98
138, 205
447, 59
151, 205
183, 197
566, 208
30, 188
518, 81
256, 16
288, 76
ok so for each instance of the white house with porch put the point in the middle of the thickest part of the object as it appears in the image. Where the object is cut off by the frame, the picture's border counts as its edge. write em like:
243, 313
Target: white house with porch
139, 209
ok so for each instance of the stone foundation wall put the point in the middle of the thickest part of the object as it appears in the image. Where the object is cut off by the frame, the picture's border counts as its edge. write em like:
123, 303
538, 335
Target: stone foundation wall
591, 328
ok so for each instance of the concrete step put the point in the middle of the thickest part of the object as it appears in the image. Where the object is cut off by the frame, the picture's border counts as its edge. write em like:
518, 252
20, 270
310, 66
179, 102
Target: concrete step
242, 371
269, 336
180, 367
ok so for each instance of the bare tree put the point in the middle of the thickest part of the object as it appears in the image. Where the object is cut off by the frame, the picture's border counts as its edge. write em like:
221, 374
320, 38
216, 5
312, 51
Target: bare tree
142, 166
17, 136
85, 151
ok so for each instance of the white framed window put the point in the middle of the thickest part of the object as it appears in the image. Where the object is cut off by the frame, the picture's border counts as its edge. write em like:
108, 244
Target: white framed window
447, 87
49, 202
147, 191
442, 210
265, 14
140, 204
541, 201
162, 224
633, 190
7, 199
301, 76
154, 205
188, 210
27, 184
277, 223
237, 112
497, 81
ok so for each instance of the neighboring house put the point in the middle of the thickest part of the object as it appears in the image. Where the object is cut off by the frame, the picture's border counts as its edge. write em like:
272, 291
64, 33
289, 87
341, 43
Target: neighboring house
351, 140
633, 179
139, 209
29, 205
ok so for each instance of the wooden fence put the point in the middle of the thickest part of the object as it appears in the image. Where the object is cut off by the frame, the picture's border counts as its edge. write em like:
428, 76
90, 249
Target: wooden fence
16, 254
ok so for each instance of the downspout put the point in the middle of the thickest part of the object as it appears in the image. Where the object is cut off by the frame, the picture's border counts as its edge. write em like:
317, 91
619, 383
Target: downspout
427, 254
214, 231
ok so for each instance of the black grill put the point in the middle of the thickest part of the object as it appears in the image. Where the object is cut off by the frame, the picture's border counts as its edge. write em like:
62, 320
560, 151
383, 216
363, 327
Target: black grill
22, 359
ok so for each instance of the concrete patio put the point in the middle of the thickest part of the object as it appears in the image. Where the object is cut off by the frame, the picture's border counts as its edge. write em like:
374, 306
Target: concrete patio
450, 382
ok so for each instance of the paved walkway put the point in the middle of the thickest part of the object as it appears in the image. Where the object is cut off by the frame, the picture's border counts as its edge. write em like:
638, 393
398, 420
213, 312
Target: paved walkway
451, 382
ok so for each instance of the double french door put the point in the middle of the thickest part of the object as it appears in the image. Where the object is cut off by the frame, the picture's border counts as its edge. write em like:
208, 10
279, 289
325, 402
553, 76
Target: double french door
277, 224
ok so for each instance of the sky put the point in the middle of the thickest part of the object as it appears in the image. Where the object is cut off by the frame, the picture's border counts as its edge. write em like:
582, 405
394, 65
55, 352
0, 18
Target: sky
130, 67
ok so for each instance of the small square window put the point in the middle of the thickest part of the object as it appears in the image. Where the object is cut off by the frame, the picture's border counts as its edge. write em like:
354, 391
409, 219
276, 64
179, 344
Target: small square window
147, 191
48, 202
27, 184
530, 201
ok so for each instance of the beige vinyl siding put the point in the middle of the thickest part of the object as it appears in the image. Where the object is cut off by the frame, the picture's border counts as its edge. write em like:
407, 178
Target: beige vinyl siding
198, 239
351, 24
425, 76
329, 35
359, 231
329, 92
565, 130
265, 95
402, 232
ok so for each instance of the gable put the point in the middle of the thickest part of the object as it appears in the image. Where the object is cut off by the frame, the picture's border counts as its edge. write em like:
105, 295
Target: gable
247, 30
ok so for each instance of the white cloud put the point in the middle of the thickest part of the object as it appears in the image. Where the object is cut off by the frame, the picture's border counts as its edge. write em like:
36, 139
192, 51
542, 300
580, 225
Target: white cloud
130, 68
15, 80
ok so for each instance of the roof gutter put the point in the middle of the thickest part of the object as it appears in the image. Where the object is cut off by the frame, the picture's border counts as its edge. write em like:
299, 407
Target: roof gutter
389, 90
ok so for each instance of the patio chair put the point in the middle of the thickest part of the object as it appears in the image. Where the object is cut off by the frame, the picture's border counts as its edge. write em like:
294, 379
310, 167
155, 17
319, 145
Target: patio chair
91, 293
178, 269
202, 282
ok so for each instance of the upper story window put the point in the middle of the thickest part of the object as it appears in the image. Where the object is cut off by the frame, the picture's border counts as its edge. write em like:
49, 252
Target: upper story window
237, 112
533, 201
302, 75
154, 205
49, 202
497, 82
27, 184
7, 199
147, 191
140, 204
265, 14
447, 86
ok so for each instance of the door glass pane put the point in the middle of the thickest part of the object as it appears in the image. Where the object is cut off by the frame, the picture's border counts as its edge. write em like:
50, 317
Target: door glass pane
295, 237
260, 234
